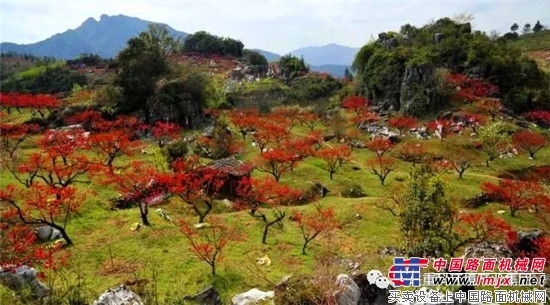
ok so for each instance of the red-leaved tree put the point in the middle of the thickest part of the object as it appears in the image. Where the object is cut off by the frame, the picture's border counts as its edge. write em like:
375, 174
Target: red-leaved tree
356, 104
163, 132
382, 167
402, 123
529, 141
42, 204
262, 196
112, 145
412, 152
491, 106
379, 146
334, 157
483, 227
315, 223
208, 243
277, 161
196, 185
516, 194
138, 183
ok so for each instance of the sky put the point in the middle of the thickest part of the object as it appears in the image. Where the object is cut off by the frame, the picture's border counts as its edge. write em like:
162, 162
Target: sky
278, 26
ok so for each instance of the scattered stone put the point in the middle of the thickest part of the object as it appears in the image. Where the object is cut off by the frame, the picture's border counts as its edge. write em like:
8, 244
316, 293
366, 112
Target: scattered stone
389, 250
351, 265
228, 203
162, 213
201, 225
355, 191
135, 226
348, 292
485, 249
208, 296
263, 261
23, 277
251, 297
120, 295
47, 233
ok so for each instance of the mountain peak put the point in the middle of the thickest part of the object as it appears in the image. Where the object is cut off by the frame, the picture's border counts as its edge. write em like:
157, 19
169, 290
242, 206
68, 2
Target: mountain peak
89, 21
105, 37
327, 54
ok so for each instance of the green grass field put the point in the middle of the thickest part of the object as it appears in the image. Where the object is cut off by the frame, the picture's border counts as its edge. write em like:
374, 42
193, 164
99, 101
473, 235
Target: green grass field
106, 252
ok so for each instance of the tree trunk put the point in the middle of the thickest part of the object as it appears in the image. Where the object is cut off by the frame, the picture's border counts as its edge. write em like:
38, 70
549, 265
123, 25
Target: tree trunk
144, 211
213, 267
304, 247
63, 233
266, 229
268, 225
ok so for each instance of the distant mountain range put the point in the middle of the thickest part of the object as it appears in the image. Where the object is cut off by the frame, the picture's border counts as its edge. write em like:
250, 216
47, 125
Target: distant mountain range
108, 35
105, 38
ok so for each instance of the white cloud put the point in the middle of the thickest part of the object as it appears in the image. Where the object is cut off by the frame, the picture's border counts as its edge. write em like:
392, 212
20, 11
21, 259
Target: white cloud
278, 26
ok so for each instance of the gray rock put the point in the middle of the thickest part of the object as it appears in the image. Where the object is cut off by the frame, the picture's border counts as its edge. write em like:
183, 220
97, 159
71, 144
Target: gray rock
348, 292
23, 277
208, 296
418, 94
438, 37
120, 295
383, 36
390, 44
485, 249
47, 233
251, 297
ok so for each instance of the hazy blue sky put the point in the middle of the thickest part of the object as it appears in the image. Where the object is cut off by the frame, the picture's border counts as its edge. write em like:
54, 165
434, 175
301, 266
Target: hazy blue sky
278, 26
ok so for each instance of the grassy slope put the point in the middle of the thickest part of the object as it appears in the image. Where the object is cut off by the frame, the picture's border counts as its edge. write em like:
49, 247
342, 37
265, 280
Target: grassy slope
537, 47
107, 252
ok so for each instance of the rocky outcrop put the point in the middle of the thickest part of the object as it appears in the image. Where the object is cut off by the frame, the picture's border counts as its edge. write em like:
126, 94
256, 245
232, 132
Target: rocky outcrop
208, 296
120, 295
187, 113
23, 277
418, 90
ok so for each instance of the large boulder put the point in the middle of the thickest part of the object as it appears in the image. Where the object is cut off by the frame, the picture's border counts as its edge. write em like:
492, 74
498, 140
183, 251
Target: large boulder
348, 292
23, 277
47, 233
120, 295
208, 296
252, 297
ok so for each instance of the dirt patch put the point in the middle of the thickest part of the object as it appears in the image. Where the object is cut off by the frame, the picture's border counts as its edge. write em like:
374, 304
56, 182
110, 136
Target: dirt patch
118, 266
